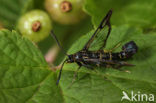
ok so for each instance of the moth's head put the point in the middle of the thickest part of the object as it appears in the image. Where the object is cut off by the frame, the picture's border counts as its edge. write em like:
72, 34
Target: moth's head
70, 59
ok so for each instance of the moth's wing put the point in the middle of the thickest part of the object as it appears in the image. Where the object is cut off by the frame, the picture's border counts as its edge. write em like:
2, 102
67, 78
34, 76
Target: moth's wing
98, 42
104, 24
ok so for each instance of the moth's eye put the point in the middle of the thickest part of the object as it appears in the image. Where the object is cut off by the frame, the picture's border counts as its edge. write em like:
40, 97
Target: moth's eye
70, 57
77, 57
123, 53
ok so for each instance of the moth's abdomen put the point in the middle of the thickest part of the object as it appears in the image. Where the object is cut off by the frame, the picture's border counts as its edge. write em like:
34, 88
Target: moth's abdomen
129, 49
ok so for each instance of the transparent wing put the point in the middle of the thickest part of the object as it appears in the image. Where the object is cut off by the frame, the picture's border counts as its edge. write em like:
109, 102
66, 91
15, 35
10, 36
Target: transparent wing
105, 27
100, 40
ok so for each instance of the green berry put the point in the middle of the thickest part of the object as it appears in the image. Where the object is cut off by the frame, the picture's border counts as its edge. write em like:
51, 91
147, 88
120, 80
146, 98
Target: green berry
35, 25
65, 11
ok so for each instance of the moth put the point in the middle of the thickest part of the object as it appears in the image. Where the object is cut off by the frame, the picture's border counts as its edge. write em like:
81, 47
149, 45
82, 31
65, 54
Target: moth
103, 58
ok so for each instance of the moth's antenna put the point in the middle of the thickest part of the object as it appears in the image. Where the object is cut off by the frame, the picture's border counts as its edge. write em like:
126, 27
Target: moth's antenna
59, 77
54, 36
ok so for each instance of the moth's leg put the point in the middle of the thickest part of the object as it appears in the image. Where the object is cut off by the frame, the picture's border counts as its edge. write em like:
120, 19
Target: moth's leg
122, 63
116, 64
126, 64
81, 64
76, 72
103, 23
87, 66
74, 76
115, 47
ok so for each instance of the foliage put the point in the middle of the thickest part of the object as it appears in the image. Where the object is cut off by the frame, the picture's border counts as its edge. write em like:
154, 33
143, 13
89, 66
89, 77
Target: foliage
26, 77
140, 13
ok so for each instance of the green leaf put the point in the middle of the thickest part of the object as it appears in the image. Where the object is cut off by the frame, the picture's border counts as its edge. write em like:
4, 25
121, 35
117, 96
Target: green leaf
105, 85
24, 74
139, 13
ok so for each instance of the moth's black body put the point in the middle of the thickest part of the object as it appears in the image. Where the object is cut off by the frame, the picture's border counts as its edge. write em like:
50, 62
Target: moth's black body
100, 57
